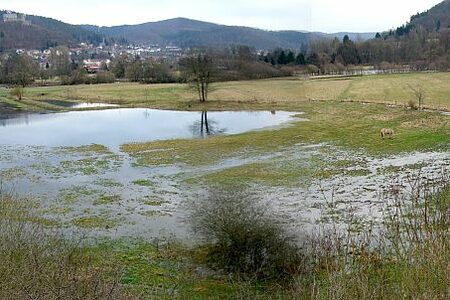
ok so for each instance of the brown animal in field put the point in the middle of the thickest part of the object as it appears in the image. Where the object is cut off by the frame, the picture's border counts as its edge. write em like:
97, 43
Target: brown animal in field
387, 133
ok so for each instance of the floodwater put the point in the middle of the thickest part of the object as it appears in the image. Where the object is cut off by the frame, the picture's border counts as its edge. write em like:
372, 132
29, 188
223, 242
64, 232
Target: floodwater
80, 105
115, 127
103, 193
76, 187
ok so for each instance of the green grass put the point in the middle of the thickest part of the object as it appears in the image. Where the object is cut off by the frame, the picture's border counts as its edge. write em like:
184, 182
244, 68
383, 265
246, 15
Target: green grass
284, 172
13, 173
108, 199
86, 149
109, 183
93, 165
76, 193
93, 222
351, 125
273, 174
152, 201
144, 182
161, 271
153, 213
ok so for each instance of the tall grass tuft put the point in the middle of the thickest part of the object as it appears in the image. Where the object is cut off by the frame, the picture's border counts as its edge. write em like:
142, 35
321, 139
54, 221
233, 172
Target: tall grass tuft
408, 257
40, 265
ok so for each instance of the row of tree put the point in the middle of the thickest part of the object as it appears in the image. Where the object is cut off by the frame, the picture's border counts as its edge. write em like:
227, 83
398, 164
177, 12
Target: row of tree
416, 48
234, 63
18, 70
22, 69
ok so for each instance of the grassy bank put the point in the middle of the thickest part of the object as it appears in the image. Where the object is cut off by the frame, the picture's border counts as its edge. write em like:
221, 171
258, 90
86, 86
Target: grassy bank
285, 93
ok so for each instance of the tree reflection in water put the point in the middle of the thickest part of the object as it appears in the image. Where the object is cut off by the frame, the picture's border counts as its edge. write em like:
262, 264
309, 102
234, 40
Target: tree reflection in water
205, 127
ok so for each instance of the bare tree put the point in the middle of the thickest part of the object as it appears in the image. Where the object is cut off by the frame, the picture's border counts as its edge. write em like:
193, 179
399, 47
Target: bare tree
60, 61
21, 70
199, 70
419, 94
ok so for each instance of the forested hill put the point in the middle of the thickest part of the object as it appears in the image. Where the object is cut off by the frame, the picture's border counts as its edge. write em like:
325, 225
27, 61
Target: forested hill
436, 18
41, 33
190, 33
44, 32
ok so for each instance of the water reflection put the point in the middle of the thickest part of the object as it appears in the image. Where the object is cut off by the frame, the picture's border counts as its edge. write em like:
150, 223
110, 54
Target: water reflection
14, 119
206, 127
115, 127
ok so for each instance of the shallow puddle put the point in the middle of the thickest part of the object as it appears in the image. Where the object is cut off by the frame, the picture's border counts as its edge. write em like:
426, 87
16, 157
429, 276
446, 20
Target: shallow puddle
79, 105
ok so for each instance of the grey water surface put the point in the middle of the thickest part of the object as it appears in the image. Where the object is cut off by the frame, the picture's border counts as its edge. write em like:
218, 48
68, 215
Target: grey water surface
69, 185
115, 127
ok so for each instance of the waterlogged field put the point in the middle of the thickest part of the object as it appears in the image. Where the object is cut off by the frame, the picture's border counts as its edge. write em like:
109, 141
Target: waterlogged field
323, 163
330, 154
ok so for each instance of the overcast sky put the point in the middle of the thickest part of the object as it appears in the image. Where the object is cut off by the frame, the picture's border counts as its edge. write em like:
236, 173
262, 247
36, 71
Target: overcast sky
310, 15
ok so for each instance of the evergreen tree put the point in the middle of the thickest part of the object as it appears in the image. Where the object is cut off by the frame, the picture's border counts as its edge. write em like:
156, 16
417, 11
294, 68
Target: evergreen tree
313, 59
300, 59
282, 58
290, 57
348, 52
2, 41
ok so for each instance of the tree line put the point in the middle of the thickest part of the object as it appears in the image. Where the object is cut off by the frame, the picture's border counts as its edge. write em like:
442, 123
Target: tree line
410, 46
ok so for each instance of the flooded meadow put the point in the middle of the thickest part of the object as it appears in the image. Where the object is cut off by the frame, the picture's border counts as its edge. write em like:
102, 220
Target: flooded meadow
73, 167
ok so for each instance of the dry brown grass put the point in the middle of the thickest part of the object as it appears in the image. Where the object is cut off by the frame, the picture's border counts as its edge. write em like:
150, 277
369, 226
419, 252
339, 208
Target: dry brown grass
432, 122
263, 94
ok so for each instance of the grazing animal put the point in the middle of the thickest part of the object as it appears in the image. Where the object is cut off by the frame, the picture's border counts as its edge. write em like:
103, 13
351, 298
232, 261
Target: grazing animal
387, 133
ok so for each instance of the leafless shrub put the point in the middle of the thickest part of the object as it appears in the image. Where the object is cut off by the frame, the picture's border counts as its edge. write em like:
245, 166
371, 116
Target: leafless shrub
243, 236
405, 257
419, 95
420, 220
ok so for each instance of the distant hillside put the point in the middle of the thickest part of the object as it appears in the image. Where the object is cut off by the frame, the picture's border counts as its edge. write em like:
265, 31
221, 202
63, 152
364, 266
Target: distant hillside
434, 19
42, 33
46, 32
190, 33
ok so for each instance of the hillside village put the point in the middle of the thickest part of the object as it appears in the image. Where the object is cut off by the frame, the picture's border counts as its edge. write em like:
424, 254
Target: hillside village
89, 56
